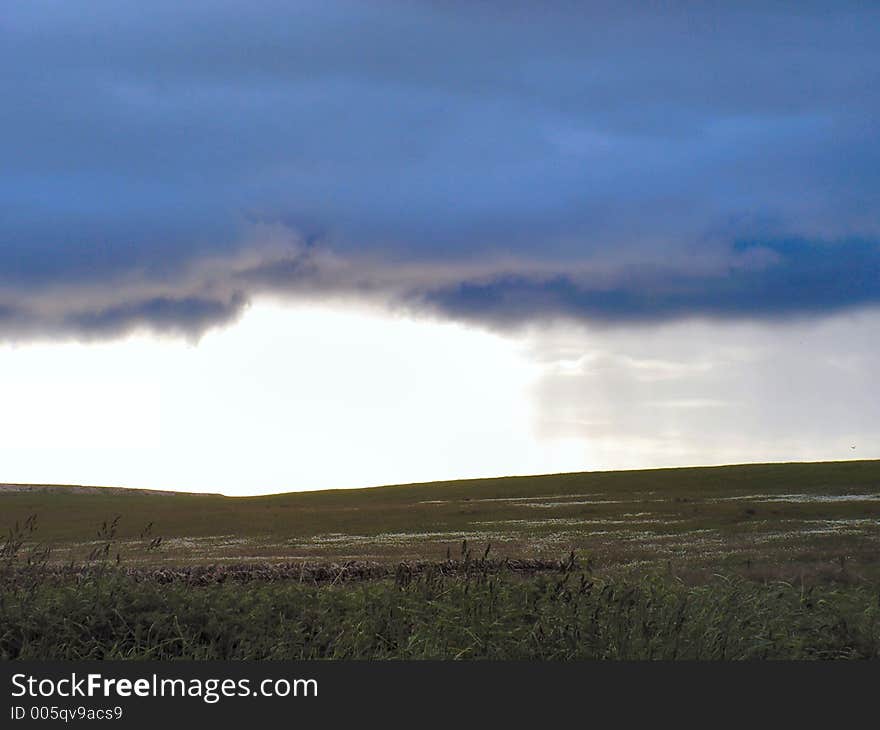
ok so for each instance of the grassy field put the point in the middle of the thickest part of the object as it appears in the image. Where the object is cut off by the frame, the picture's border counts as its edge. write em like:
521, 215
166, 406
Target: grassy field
740, 562
772, 520
565, 615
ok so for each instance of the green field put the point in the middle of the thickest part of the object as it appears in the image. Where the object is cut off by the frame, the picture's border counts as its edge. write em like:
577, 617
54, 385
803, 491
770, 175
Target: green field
771, 520
739, 562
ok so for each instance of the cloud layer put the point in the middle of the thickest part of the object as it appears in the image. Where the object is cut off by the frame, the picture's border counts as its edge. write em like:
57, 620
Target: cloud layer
164, 164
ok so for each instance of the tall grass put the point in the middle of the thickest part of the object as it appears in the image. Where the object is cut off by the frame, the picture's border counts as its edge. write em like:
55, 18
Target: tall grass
110, 615
469, 608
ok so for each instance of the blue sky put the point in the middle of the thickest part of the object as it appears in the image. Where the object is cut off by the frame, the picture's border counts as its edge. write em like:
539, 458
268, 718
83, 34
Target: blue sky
602, 175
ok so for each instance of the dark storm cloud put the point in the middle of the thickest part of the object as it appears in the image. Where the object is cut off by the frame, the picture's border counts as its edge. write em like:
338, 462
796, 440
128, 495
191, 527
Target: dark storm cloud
494, 161
189, 315
803, 278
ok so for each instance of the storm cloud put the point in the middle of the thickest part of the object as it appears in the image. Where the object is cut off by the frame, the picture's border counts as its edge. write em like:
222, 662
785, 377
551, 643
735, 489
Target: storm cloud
163, 164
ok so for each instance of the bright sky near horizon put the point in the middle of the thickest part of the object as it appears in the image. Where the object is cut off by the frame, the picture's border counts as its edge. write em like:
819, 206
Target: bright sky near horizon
288, 398
297, 397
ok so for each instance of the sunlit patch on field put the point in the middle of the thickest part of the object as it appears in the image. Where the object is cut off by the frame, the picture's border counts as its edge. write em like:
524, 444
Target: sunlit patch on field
574, 502
794, 498
528, 499
632, 524
400, 538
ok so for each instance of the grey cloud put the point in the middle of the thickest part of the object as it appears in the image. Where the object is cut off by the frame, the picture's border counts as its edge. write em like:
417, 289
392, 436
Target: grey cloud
186, 315
750, 280
496, 162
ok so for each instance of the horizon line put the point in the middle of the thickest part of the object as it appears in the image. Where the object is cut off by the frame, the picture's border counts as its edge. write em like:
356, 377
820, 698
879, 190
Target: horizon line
458, 480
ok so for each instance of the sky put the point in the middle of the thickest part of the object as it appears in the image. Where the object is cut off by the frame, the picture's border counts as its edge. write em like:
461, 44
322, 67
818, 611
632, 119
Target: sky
264, 247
